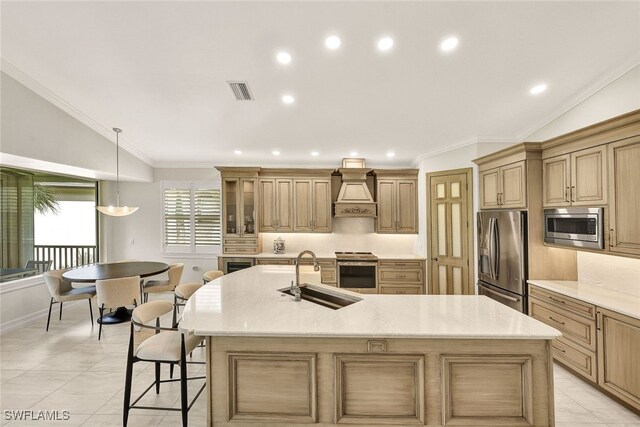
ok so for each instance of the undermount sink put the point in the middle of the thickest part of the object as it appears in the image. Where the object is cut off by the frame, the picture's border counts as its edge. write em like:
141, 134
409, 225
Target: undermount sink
323, 297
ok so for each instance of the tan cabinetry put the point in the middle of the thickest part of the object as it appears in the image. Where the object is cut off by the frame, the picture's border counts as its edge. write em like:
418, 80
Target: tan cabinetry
619, 356
624, 181
328, 272
576, 179
397, 197
400, 277
239, 205
276, 204
274, 261
504, 187
576, 348
312, 205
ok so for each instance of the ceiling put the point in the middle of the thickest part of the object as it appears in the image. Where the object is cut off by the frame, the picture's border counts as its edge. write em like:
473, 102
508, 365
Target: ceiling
158, 70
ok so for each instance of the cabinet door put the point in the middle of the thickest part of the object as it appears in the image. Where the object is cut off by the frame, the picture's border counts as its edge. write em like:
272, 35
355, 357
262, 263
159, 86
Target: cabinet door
513, 193
284, 205
302, 205
556, 180
588, 177
249, 204
489, 189
624, 182
386, 221
406, 211
231, 206
321, 205
618, 355
267, 205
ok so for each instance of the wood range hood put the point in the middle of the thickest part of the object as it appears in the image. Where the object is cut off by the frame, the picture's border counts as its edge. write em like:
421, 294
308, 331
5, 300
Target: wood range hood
354, 198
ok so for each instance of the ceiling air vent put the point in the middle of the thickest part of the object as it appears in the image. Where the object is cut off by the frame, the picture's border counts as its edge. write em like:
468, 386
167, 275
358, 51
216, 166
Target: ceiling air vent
241, 91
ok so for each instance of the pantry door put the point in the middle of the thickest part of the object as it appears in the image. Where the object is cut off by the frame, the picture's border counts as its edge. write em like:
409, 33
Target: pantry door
450, 220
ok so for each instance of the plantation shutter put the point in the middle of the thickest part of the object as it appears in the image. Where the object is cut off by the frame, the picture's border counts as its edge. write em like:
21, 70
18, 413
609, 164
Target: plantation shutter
192, 217
207, 217
177, 217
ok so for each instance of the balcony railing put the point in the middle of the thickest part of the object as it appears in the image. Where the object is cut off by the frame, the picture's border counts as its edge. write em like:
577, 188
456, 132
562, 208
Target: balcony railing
65, 256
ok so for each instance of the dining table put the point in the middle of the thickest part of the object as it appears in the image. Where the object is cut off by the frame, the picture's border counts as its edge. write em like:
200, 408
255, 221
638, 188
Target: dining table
115, 270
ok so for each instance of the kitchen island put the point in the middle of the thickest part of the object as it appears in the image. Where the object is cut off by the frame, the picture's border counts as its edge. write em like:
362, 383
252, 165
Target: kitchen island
384, 360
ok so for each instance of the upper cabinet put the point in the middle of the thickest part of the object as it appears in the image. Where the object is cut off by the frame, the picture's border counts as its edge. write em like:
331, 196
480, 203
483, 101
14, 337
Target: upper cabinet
276, 204
504, 187
397, 196
504, 176
239, 206
624, 184
312, 205
576, 179
599, 166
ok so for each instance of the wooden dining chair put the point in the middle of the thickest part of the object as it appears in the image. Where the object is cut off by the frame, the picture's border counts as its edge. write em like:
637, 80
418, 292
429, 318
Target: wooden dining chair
114, 293
61, 291
156, 344
164, 286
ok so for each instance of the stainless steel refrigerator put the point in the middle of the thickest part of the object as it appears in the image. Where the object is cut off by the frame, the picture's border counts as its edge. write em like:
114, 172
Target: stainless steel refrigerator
502, 257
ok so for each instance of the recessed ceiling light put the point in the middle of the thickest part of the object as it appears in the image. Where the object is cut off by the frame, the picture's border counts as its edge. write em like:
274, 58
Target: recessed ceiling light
275, 152
332, 42
538, 89
283, 57
288, 99
314, 153
353, 153
391, 154
385, 43
449, 44
237, 152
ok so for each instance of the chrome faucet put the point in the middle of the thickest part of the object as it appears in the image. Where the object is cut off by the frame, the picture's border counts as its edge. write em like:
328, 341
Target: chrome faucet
295, 288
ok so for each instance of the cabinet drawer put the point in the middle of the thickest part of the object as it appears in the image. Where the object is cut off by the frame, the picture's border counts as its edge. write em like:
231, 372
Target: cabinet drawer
231, 249
240, 241
274, 261
400, 264
401, 290
576, 358
328, 275
395, 276
564, 302
574, 328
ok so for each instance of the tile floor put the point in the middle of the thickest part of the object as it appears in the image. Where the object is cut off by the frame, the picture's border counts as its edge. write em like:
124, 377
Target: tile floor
69, 369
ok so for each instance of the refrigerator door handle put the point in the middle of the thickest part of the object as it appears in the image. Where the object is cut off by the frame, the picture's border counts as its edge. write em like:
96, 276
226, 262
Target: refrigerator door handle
507, 297
494, 248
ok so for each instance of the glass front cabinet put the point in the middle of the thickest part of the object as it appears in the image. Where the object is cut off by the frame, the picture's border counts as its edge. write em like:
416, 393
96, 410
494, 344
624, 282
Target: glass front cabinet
239, 210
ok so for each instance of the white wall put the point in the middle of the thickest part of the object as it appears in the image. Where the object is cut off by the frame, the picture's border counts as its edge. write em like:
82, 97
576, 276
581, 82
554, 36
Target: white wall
619, 97
37, 132
139, 236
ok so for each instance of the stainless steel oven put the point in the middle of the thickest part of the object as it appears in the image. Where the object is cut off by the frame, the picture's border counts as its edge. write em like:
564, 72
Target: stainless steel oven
576, 227
357, 270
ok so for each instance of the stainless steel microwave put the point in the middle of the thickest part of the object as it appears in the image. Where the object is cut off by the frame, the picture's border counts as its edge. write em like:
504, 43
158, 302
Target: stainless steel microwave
576, 227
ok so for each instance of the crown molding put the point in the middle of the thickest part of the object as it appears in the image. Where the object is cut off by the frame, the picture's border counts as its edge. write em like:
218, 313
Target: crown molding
587, 91
37, 87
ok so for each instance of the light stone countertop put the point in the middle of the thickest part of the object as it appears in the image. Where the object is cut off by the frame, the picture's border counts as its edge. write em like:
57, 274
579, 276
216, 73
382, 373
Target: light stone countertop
601, 296
247, 303
323, 255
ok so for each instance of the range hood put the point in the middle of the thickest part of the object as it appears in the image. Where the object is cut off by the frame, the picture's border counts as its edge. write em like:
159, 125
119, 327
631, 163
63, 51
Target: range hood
354, 198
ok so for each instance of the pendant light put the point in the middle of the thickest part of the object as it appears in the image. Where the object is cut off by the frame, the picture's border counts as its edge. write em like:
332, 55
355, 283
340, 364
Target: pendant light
117, 210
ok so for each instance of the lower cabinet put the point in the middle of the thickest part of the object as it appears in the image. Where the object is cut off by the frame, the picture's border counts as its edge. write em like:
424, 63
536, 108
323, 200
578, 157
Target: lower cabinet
401, 277
619, 355
600, 345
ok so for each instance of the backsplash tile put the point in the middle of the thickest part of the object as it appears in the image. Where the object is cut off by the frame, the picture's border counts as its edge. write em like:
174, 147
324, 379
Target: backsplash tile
612, 272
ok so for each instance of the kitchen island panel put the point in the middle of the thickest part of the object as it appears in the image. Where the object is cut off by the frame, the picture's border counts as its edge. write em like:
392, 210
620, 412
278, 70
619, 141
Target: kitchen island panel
437, 381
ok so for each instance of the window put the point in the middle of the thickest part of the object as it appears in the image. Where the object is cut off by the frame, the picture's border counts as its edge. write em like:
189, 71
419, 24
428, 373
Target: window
192, 218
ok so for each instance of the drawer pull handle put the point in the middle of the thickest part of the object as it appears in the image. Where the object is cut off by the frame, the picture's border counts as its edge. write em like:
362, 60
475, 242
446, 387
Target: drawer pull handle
401, 276
557, 321
556, 300
561, 349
